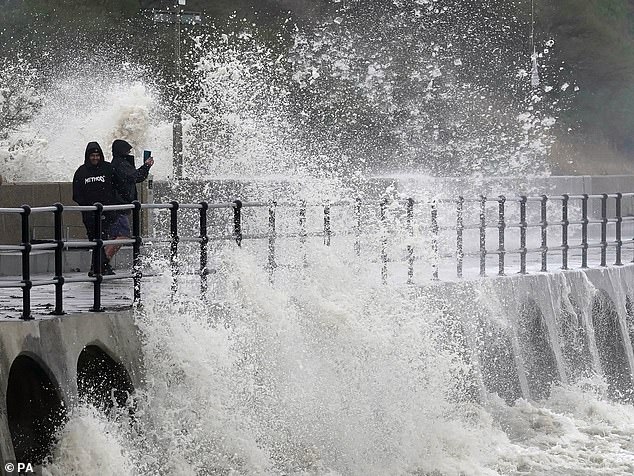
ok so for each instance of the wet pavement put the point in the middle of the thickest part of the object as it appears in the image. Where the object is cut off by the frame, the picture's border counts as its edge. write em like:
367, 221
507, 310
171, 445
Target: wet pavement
116, 294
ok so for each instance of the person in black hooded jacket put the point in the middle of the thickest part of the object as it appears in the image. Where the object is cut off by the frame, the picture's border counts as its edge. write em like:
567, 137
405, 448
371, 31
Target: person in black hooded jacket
127, 173
127, 176
95, 181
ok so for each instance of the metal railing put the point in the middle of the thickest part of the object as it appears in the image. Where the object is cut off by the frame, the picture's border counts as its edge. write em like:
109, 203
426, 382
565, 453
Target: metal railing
430, 222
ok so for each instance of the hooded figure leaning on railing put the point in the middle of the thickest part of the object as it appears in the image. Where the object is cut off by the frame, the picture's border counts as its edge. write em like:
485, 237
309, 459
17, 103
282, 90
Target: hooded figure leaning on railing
95, 181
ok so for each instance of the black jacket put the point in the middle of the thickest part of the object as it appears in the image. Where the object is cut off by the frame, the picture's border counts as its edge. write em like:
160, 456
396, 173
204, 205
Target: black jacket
95, 183
127, 175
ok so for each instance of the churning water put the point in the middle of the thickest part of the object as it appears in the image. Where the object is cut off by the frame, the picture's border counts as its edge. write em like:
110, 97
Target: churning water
325, 371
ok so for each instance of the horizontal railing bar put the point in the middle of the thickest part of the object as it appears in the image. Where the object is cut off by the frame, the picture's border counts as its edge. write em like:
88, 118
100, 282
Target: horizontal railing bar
151, 240
515, 199
126, 241
79, 244
146, 206
43, 209
114, 277
44, 246
80, 208
78, 279
255, 204
11, 248
168, 206
11, 284
11, 210
127, 206
536, 250
43, 282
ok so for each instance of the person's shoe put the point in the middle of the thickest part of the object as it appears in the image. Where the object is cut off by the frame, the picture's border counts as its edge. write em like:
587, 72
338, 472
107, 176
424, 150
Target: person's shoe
107, 270
91, 273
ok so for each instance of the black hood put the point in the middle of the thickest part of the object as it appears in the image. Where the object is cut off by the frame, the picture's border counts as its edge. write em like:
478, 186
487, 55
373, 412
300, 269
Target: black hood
91, 147
120, 148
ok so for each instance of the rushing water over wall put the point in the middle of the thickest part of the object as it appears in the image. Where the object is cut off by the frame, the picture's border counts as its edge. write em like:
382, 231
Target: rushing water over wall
323, 371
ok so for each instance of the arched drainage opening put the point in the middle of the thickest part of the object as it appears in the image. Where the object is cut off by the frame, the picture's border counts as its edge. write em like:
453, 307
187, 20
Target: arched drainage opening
34, 410
101, 381
538, 356
607, 334
497, 362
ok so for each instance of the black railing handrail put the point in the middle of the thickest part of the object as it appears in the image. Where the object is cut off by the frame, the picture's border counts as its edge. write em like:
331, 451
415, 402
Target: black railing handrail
329, 231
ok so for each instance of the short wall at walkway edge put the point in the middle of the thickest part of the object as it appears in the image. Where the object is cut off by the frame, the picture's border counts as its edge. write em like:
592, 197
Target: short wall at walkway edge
44, 194
52, 347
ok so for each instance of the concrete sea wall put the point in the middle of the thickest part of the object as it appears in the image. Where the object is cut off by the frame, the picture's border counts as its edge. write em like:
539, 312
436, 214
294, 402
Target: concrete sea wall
47, 364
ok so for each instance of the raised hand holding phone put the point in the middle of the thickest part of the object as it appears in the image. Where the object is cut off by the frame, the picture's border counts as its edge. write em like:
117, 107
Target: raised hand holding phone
147, 157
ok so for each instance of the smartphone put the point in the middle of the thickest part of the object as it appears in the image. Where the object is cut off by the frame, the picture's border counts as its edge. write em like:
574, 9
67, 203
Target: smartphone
146, 155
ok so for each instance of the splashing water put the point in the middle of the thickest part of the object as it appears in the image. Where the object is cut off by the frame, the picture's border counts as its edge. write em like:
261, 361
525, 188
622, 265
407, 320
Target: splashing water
51, 146
407, 86
324, 371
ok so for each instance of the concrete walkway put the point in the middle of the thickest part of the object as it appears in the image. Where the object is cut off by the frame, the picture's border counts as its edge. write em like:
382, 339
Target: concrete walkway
116, 295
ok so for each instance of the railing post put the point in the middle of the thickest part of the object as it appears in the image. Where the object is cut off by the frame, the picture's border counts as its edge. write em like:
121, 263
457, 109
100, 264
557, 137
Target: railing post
501, 234
523, 229
604, 228
174, 244
410, 248
27, 284
97, 261
544, 227
357, 226
619, 229
483, 236
584, 230
137, 272
302, 231
237, 221
272, 235
327, 229
204, 240
564, 231
459, 235
59, 241
434, 239
383, 217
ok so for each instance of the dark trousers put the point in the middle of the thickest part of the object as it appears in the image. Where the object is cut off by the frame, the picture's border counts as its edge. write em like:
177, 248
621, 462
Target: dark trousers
89, 222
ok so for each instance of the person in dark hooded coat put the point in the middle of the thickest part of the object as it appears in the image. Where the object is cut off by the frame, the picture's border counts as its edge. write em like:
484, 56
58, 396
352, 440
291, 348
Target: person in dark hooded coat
95, 181
127, 176
127, 173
